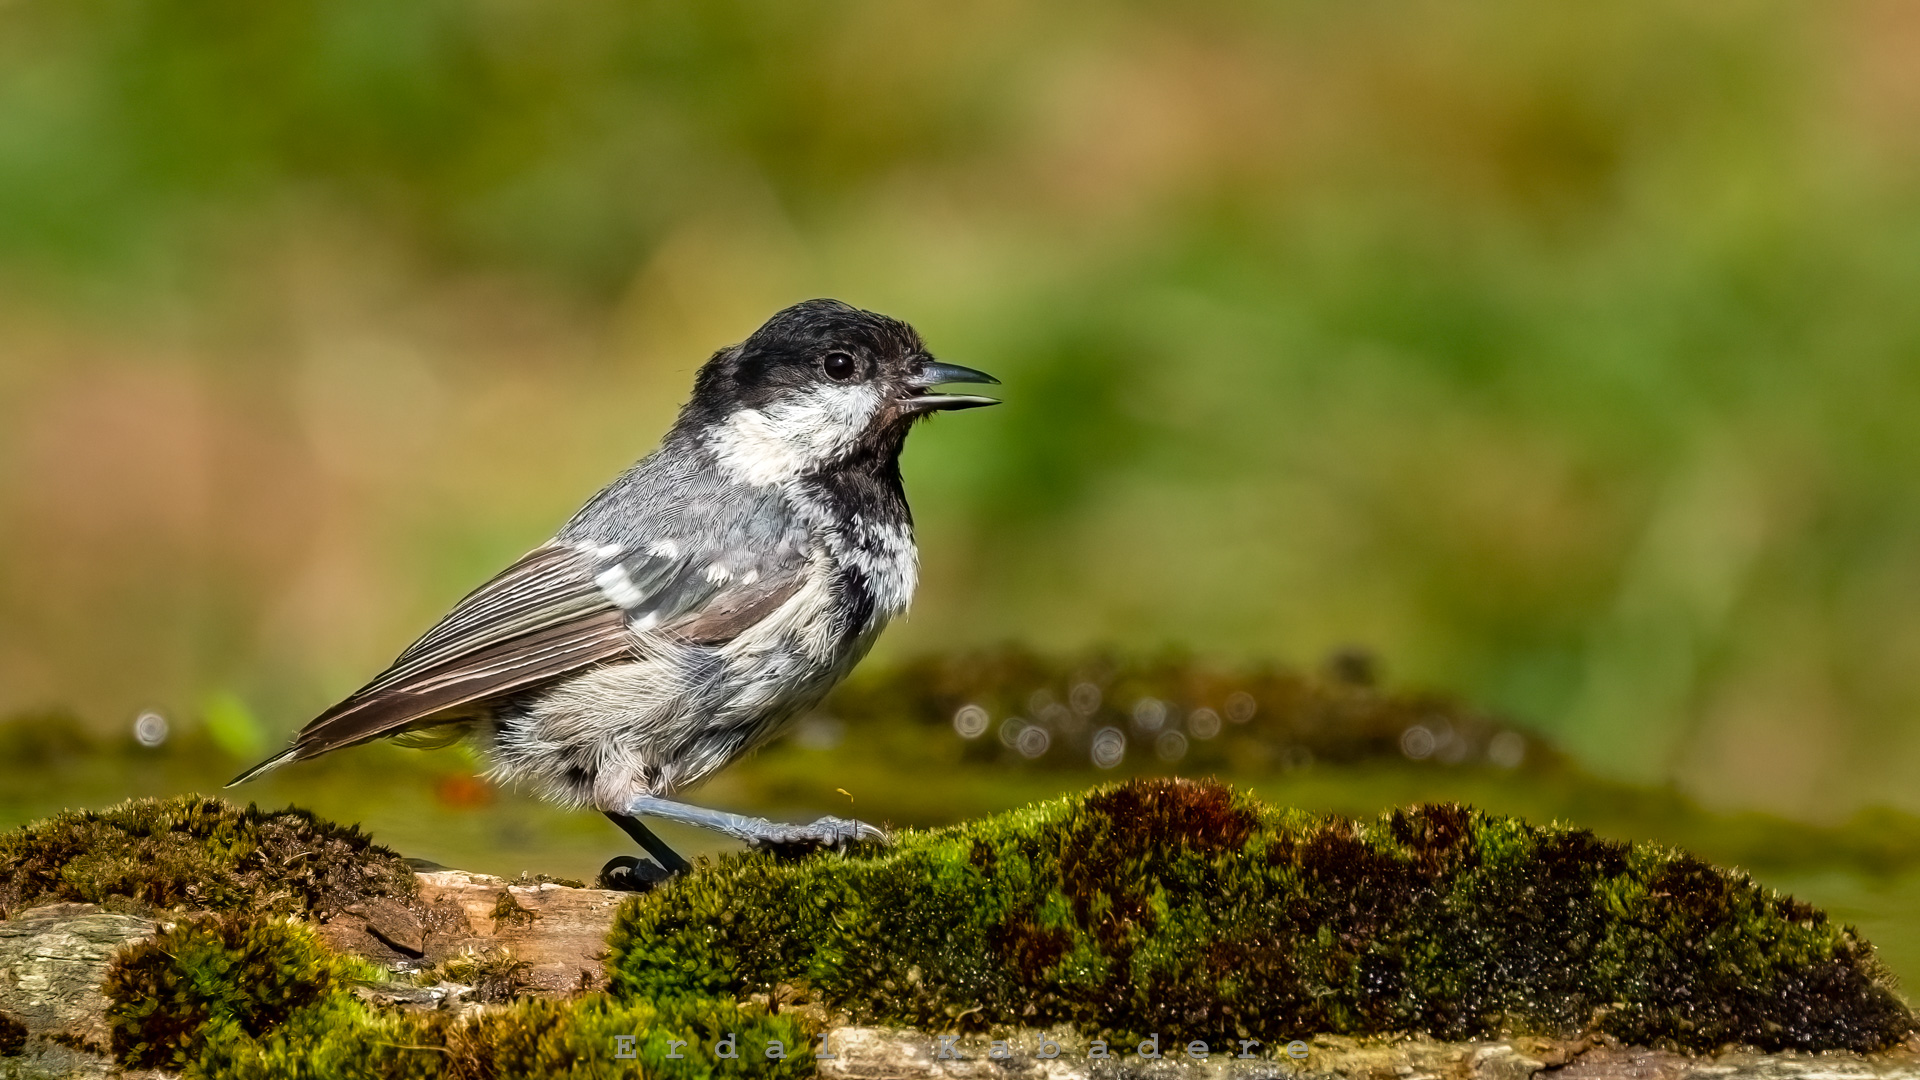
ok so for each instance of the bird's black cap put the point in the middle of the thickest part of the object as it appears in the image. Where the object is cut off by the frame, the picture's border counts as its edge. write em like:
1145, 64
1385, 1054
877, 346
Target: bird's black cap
819, 342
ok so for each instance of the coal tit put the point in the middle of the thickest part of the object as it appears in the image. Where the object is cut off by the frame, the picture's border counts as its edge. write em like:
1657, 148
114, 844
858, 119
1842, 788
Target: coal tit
698, 604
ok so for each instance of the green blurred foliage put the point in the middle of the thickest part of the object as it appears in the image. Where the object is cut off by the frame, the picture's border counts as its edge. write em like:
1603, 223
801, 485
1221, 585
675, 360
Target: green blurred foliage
1564, 356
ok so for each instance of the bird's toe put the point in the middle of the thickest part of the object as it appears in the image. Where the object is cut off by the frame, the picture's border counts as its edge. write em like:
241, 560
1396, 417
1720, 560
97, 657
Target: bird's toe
840, 831
834, 832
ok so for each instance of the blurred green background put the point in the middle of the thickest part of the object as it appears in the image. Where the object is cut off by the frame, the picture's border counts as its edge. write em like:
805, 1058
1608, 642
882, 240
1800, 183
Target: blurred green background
1567, 357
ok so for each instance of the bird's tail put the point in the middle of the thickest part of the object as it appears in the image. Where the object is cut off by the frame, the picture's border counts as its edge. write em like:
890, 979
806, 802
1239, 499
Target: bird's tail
274, 762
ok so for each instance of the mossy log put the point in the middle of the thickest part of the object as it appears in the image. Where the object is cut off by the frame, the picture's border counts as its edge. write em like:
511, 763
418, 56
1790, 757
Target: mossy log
1198, 912
1433, 942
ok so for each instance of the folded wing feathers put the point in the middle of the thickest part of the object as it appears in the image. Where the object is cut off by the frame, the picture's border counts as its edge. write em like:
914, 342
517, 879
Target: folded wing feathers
545, 617
551, 573
502, 668
540, 619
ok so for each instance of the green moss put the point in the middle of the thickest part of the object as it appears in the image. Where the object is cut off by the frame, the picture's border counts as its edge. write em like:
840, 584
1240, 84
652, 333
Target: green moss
528, 878
195, 852
532, 1039
240, 996
1197, 912
172, 993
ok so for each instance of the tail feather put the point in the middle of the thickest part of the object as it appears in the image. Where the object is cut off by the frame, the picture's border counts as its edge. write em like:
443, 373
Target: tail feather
274, 762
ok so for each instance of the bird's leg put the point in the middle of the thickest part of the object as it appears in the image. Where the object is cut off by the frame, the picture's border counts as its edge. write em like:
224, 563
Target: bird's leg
828, 831
668, 858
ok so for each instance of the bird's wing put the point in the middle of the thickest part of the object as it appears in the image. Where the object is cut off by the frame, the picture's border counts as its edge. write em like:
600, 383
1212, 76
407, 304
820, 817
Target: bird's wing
561, 609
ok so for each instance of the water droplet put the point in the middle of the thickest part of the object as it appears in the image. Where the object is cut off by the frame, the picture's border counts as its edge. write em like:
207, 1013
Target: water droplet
1241, 706
1417, 743
1085, 698
1033, 742
150, 728
1171, 746
1507, 749
971, 721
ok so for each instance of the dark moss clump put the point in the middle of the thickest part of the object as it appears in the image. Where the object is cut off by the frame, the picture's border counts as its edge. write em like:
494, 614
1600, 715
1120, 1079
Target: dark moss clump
240, 996
496, 975
1197, 912
195, 852
172, 992
13, 1036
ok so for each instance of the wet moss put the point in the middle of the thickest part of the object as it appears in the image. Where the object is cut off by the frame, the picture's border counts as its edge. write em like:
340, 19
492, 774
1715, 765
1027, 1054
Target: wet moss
507, 912
496, 975
195, 852
1197, 912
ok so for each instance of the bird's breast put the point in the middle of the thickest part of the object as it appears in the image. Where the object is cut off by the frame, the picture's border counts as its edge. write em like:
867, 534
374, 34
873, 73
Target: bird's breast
880, 558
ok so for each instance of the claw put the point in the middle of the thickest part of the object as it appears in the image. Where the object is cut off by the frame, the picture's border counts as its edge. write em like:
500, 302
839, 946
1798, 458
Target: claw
624, 873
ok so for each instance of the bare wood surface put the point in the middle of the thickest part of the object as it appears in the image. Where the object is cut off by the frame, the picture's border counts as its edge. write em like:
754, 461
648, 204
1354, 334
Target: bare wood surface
560, 933
53, 959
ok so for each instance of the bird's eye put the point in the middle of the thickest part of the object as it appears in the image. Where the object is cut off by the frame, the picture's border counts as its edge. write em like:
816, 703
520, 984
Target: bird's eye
839, 366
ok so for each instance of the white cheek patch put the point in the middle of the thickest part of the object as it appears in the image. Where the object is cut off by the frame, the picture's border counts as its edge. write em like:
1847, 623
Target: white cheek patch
793, 437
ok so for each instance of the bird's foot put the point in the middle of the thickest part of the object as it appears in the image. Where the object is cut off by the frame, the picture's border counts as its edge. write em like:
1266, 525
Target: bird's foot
831, 832
759, 832
625, 873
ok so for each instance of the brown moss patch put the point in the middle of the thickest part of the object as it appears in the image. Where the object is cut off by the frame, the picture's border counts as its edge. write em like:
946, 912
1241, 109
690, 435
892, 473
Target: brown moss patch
13, 1036
193, 852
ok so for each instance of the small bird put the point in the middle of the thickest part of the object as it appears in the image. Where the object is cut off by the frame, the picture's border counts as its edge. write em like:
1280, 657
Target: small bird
697, 605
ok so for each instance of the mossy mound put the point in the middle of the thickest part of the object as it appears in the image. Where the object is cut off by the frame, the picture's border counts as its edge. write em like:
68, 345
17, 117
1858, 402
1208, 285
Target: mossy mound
172, 993
1193, 911
195, 852
242, 996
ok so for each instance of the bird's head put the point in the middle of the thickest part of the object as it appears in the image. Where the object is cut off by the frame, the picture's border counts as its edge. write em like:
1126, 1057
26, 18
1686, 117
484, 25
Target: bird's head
819, 385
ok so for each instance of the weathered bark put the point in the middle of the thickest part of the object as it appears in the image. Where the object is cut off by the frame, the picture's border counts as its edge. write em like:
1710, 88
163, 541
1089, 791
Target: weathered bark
53, 959
888, 1054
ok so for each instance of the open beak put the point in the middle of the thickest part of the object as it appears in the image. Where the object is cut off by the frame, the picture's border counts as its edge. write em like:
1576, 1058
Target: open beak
934, 373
